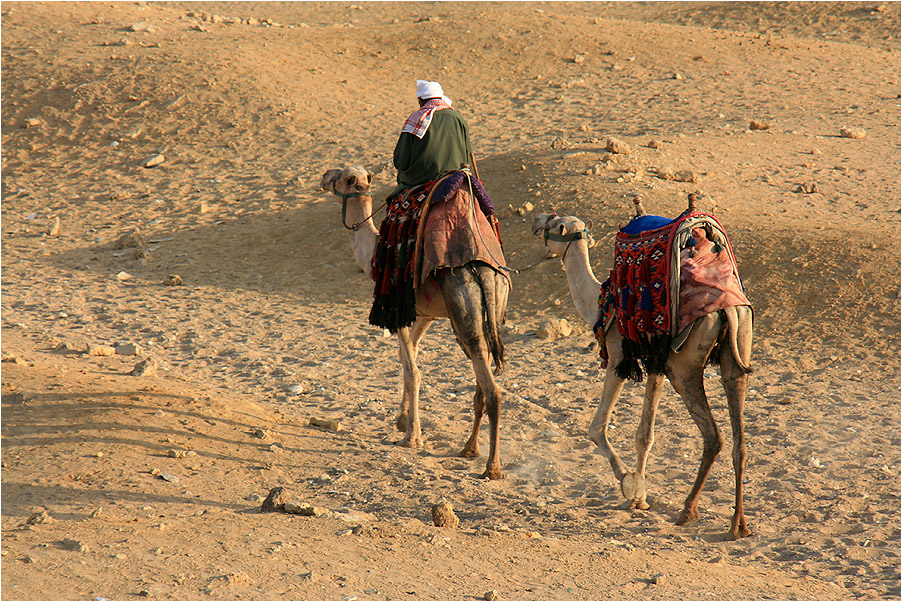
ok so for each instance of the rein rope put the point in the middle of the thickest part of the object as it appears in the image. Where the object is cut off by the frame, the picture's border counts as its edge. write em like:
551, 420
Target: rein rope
344, 208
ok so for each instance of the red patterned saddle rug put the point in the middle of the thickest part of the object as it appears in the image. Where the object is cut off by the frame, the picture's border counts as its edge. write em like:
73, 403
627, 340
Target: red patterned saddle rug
661, 282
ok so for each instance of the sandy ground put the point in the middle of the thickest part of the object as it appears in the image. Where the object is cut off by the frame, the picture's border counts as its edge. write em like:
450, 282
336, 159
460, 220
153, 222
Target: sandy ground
119, 486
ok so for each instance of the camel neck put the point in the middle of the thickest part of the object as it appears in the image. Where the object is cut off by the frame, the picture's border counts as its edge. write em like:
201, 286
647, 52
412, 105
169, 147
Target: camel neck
584, 286
364, 239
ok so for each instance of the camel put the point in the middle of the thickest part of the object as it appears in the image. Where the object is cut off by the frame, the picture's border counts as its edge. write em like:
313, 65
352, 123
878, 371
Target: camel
568, 238
473, 296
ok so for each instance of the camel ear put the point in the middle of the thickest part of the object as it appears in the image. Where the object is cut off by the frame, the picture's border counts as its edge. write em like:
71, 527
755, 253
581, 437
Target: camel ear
369, 177
563, 229
329, 178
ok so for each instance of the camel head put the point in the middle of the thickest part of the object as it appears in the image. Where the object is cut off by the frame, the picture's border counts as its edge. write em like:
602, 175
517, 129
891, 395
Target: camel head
560, 232
348, 182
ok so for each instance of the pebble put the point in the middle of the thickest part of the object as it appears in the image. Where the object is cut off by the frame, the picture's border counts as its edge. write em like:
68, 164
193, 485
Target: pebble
143, 26
443, 515
579, 58
73, 545
130, 240
686, 176
274, 502
173, 280
331, 425
181, 453
654, 144
101, 350
759, 125
147, 367
54, 228
554, 329
492, 595
618, 147
153, 161
303, 509
40, 518
123, 276
128, 349
807, 187
855, 133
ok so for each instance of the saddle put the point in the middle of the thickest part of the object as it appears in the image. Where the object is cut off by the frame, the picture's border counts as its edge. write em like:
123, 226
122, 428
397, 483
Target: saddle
445, 223
663, 279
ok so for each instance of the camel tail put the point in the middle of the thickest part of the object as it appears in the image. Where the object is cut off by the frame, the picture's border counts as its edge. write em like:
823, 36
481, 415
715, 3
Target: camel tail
735, 332
487, 277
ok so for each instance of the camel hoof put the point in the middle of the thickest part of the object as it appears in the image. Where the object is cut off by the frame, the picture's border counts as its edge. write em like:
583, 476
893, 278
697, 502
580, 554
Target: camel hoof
632, 486
687, 517
411, 442
738, 533
469, 452
493, 474
638, 505
401, 423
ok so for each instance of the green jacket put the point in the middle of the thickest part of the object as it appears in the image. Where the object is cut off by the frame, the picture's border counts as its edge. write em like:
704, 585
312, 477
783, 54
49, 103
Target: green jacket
444, 146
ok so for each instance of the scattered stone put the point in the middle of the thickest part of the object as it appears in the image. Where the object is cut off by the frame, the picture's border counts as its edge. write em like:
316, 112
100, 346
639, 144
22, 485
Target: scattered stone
73, 545
153, 161
147, 367
855, 133
618, 147
303, 509
40, 518
560, 142
169, 478
579, 58
128, 349
331, 425
32, 122
492, 595
298, 389
101, 351
141, 26
263, 434
181, 453
686, 176
274, 502
807, 187
554, 329
123, 276
130, 240
53, 229
677, 76
659, 579
276, 448
173, 280
443, 516
656, 144
23, 397
759, 125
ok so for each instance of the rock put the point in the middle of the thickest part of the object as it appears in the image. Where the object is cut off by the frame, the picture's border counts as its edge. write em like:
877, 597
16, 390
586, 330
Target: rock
686, 176
332, 425
492, 595
181, 453
303, 509
123, 276
32, 122
130, 240
173, 280
23, 397
101, 351
579, 58
618, 147
128, 349
147, 367
855, 133
73, 545
654, 144
53, 229
677, 76
559, 142
554, 329
528, 207
807, 187
443, 515
169, 478
142, 26
153, 161
659, 579
759, 125
40, 518
665, 173
263, 434
274, 502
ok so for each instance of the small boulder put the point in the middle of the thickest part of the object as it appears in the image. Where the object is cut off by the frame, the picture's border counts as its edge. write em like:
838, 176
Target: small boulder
759, 125
554, 329
443, 515
618, 147
147, 367
855, 133
274, 502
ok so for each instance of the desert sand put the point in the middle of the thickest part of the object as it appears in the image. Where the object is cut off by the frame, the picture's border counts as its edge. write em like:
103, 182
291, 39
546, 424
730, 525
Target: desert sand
226, 264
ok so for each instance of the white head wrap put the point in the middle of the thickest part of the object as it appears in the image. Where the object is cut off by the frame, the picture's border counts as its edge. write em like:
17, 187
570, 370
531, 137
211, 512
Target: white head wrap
427, 89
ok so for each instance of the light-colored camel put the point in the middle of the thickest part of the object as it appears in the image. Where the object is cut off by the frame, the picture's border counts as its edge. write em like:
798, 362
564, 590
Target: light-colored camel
474, 297
568, 238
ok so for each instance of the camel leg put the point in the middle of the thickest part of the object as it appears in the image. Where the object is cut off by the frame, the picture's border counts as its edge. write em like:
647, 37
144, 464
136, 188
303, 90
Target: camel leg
465, 301
417, 330
686, 372
633, 484
735, 384
471, 449
411, 375
613, 385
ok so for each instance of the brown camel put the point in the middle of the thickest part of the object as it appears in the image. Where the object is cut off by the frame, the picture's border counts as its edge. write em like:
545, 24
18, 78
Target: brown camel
569, 239
473, 296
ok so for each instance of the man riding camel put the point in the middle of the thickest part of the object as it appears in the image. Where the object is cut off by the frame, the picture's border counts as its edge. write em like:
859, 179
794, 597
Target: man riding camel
435, 138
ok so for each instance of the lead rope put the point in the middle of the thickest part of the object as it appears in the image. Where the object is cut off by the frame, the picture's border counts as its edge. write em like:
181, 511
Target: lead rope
344, 208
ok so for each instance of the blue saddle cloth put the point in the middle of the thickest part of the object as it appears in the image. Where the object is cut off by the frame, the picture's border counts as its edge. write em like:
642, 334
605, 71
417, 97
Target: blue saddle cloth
638, 225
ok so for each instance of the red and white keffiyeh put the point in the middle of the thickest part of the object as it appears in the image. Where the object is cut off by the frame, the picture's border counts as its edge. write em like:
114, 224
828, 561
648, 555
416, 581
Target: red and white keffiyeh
419, 120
